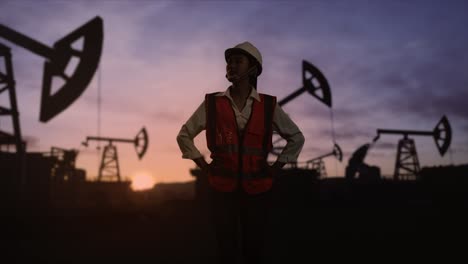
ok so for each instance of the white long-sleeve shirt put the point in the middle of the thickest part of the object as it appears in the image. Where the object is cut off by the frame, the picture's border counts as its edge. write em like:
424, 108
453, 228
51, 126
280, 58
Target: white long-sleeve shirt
281, 124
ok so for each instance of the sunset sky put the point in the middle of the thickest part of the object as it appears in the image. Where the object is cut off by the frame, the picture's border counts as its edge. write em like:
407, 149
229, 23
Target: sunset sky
390, 64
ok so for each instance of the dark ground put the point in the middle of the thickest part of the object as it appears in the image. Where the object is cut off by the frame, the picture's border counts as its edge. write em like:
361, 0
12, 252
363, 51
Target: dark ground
331, 218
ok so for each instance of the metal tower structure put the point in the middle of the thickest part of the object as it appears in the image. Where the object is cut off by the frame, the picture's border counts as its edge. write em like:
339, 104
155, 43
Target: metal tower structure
318, 164
7, 84
407, 162
65, 169
58, 61
109, 168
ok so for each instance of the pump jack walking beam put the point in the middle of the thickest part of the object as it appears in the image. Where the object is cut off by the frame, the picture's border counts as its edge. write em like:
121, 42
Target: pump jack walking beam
58, 57
316, 84
313, 82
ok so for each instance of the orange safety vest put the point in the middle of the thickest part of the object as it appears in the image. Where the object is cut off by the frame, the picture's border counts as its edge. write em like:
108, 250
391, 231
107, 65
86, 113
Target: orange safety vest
239, 159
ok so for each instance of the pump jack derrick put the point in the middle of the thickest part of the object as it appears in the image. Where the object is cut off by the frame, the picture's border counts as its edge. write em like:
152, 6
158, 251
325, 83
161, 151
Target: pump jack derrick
407, 161
318, 164
109, 168
64, 167
58, 58
315, 83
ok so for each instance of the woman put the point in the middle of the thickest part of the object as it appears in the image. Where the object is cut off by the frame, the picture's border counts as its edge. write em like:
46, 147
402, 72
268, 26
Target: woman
239, 123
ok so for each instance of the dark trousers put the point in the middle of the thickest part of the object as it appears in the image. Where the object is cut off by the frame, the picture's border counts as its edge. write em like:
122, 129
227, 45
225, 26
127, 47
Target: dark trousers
240, 221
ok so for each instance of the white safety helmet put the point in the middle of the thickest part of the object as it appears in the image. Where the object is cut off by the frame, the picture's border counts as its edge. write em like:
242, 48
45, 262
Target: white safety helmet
248, 49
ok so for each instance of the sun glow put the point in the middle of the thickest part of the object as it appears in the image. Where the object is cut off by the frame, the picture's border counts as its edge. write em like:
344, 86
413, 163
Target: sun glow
142, 181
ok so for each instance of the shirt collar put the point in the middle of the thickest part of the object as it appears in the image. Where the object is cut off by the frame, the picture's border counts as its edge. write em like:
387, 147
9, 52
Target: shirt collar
253, 93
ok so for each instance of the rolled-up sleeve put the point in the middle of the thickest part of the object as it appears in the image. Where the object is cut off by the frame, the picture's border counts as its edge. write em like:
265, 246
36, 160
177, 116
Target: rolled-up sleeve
291, 133
194, 125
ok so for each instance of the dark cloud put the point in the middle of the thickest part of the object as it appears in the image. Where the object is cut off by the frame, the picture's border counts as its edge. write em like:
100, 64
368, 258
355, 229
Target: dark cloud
385, 146
404, 73
428, 105
349, 134
344, 132
317, 151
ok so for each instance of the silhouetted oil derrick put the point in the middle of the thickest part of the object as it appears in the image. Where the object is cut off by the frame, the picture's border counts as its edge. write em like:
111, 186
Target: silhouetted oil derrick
358, 169
109, 168
407, 162
58, 58
315, 83
64, 169
318, 164
74, 66
7, 85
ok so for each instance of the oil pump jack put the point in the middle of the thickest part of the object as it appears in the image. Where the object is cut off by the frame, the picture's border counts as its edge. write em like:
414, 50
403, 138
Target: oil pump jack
318, 164
109, 167
315, 83
357, 168
8, 82
58, 58
407, 161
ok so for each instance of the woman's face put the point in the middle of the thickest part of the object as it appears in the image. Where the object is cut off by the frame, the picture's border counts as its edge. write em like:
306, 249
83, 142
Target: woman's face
237, 64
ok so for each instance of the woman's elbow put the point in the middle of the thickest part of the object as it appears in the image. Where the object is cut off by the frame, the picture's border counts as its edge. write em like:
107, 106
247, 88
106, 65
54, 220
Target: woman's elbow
180, 138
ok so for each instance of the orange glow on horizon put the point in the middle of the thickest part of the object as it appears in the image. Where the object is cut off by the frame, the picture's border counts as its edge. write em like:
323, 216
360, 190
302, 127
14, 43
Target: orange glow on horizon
142, 181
